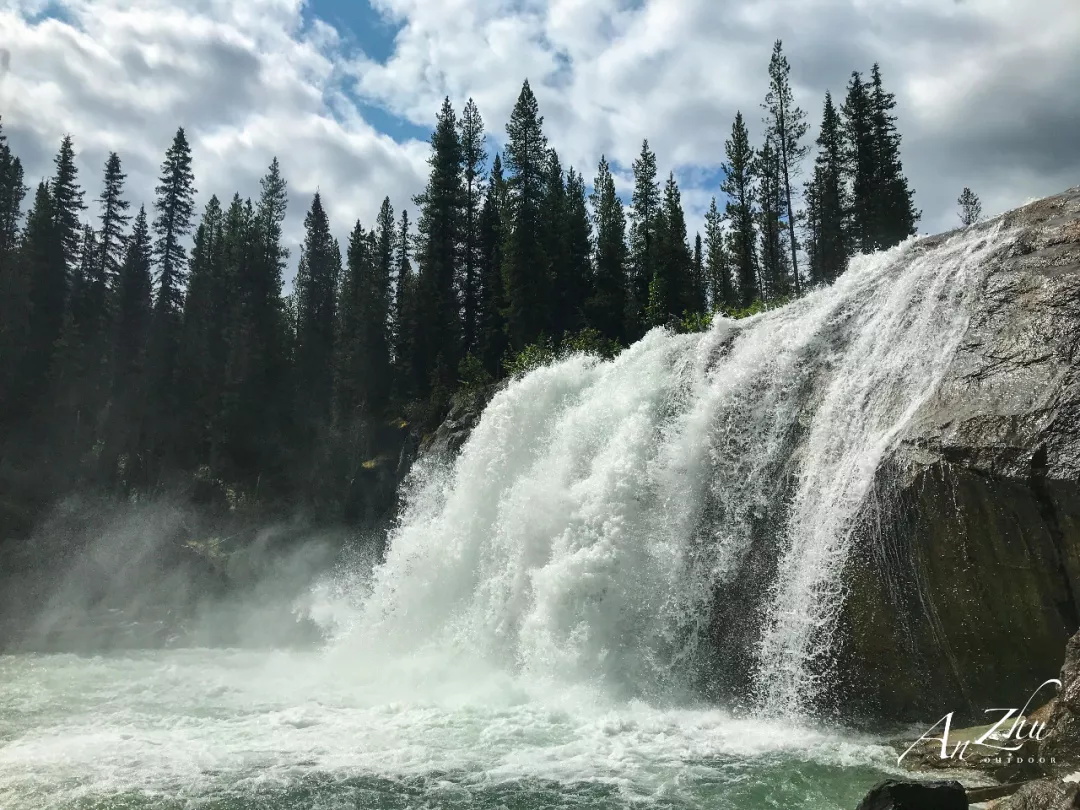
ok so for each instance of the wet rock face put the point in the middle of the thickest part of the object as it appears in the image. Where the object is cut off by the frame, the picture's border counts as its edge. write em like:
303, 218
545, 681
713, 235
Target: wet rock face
966, 584
465, 410
1061, 745
1045, 794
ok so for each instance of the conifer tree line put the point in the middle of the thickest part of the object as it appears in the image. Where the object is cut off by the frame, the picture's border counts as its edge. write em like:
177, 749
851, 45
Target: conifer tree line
160, 342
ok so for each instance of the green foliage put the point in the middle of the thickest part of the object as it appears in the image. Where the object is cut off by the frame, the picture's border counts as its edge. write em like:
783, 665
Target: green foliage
150, 357
438, 252
472, 374
776, 274
739, 186
827, 237
970, 207
526, 271
645, 212
881, 212
785, 127
544, 352
473, 157
532, 356
606, 306
589, 341
756, 307
695, 322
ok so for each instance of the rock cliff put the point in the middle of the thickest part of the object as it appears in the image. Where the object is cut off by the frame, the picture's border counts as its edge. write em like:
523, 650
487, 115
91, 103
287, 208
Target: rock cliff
967, 583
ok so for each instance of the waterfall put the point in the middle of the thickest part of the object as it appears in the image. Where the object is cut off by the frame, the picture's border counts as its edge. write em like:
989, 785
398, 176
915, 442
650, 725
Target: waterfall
680, 515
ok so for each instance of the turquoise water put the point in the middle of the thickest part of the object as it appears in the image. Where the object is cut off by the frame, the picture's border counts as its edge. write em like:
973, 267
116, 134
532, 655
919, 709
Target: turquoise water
229, 730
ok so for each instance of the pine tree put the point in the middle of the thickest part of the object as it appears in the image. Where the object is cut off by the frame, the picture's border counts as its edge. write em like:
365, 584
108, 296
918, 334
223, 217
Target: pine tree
256, 405
41, 258
174, 207
202, 348
828, 206
350, 372
775, 266
697, 276
644, 215
78, 369
12, 192
970, 207
124, 441
377, 313
670, 291
525, 270
577, 279
67, 205
717, 265
861, 165
491, 321
555, 245
114, 219
738, 185
90, 321
895, 216
438, 335
132, 305
473, 158
14, 284
785, 127
607, 304
316, 293
404, 326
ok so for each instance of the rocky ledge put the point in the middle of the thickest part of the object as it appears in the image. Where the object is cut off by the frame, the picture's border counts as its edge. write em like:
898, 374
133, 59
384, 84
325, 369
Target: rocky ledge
966, 586
1052, 745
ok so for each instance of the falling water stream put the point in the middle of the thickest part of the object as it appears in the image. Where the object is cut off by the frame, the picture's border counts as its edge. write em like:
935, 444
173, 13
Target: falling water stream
621, 592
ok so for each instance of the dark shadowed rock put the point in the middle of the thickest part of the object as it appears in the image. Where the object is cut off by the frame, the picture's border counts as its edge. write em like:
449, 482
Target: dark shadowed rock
1061, 746
1045, 794
465, 410
966, 582
894, 795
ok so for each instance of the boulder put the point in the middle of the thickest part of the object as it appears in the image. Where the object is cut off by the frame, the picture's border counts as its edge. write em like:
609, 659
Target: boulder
965, 583
1044, 794
1061, 746
896, 795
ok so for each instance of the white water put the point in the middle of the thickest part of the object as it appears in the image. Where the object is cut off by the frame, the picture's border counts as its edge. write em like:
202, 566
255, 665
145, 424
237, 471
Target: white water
533, 637
598, 507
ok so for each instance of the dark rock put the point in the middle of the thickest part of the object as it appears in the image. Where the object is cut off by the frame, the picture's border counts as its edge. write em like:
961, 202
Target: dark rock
992, 792
894, 795
1061, 745
966, 580
466, 408
1044, 794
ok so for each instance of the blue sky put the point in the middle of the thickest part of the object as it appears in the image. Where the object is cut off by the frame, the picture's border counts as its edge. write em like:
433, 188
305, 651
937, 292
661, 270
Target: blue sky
365, 29
346, 95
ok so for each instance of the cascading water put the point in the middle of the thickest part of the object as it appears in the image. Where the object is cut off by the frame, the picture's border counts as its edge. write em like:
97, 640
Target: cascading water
614, 521
616, 541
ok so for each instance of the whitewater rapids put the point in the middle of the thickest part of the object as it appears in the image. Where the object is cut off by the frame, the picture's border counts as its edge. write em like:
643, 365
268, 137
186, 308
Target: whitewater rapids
622, 592
601, 510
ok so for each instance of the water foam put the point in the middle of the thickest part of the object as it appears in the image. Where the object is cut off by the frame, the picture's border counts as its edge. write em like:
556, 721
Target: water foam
601, 510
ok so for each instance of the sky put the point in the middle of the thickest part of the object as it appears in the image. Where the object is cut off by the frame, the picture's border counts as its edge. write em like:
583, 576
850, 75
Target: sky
345, 92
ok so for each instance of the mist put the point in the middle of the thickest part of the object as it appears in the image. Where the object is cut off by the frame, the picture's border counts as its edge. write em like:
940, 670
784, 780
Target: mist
97, 575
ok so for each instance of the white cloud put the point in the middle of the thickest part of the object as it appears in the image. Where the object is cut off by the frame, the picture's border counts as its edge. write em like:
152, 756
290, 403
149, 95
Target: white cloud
982, 87
247, 81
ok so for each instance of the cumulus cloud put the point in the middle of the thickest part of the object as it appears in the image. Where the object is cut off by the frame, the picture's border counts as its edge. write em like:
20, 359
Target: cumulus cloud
982, 87
247, 80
